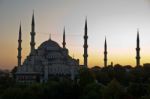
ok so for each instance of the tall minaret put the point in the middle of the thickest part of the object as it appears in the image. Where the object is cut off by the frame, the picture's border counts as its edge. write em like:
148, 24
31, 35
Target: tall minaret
19, 46
138, 50
32, 33
85, 55
64, 40
105, 53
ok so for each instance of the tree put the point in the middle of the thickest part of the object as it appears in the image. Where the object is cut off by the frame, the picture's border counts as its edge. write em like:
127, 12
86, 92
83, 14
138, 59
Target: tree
86, 77
13, 93
113, 90
137, 90
92, 91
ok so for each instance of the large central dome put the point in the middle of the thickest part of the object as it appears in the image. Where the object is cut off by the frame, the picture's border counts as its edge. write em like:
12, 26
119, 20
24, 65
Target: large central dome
49, 45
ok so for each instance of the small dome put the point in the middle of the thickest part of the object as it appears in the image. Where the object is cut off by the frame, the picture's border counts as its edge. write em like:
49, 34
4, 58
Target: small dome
49, 45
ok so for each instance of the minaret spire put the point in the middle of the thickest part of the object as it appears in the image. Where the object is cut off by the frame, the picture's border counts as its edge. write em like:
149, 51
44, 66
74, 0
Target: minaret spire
19, 46
64, 39
85, 55
105, 53
32, 33
33, 23
50, 36
138, 49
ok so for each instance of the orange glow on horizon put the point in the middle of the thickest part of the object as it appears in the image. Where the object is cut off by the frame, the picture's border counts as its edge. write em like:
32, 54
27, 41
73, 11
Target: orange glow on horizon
95, 57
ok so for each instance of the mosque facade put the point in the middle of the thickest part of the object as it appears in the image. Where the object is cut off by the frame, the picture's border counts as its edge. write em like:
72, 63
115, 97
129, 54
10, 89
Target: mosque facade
49, 60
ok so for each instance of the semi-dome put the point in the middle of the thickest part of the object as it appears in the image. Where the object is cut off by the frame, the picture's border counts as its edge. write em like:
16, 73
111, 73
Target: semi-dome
49, 45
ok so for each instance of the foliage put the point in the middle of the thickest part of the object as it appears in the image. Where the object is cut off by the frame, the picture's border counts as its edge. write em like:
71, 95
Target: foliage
118, 82
113, 90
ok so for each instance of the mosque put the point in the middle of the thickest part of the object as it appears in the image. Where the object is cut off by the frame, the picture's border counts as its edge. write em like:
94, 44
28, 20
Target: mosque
47, 61
51, 60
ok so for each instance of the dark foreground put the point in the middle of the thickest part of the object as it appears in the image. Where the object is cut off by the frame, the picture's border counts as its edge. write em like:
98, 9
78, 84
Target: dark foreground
96, 83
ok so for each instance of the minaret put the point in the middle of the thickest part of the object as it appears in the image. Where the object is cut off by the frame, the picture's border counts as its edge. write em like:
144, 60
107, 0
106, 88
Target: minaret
19, 47
49, 36
32, 33
64, 40
85, 55
138, 50
105, 53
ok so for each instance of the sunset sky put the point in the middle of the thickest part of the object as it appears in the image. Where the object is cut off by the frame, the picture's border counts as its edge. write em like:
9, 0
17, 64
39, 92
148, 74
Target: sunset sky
118, 20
